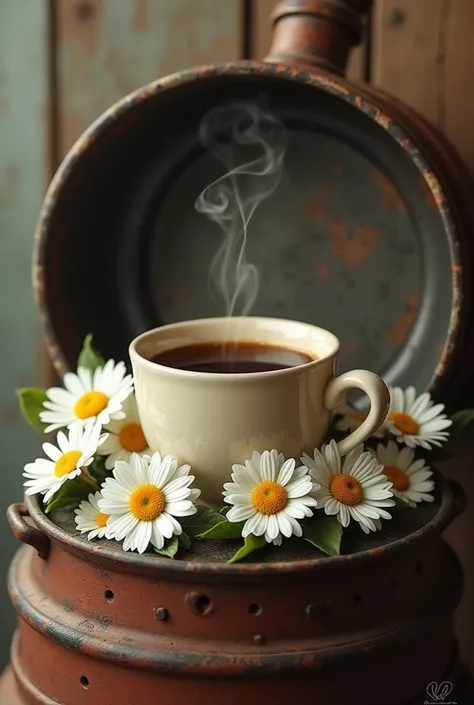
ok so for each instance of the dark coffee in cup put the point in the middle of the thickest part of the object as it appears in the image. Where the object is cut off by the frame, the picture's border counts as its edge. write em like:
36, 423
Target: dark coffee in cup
232, 357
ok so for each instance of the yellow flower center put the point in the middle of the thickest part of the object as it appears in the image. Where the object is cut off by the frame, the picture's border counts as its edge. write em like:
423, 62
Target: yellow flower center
405, 423
147, 502
346, 489
132, 438
67, 463
90, 404
269, 498
101, 519
397, 477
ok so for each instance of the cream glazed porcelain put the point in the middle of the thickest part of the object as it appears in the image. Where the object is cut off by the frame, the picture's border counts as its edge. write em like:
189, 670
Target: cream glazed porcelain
212, 420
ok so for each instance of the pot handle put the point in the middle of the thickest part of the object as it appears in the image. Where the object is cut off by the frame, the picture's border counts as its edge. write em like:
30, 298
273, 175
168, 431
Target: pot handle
26, 533
317, 33
379, 398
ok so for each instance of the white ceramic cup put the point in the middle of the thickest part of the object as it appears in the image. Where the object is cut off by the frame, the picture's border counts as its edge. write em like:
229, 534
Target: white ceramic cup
212, 420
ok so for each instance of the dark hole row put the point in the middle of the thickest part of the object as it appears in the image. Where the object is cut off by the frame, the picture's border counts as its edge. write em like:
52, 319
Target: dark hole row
202, 604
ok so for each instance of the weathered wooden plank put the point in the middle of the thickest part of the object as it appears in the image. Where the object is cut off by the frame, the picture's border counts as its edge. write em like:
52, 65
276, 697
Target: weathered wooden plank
405, 51
423, 53
107, 48
455, 64
23, 121
261, 36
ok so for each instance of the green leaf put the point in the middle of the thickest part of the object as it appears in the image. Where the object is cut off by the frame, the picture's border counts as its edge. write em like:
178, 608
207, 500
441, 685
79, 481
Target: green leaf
70, 494
223, 510
325, 534
89, 357
401, 503
251, 544
97, 469
184, 541
223, 530
170, 549
31, 402
201, 521
461, 419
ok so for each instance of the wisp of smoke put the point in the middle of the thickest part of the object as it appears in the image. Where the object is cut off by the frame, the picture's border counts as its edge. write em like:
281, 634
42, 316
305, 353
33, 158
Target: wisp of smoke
251, 143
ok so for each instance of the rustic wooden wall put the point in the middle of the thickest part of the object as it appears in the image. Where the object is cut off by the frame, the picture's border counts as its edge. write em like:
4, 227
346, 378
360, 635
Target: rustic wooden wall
62, 62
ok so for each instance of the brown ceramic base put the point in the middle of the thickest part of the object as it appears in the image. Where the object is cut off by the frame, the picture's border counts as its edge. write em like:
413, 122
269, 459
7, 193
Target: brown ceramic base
372, 627
462, 693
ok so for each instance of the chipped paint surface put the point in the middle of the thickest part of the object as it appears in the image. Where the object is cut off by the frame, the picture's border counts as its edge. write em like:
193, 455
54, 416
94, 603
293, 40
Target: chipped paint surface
405, 321
390, 195
353, 248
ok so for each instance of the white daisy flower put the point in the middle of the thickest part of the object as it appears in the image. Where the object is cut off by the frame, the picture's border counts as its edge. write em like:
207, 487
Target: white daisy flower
409, 477
99, 395
416, 420
355, 488
352, 418
125, 436
270, 494
143, 498
90, 518
74, 454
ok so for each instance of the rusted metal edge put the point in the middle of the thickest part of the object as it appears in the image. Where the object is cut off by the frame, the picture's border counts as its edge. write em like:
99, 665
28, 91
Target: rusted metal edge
161, 658
462, 269
23, 683
193, 571
331, 83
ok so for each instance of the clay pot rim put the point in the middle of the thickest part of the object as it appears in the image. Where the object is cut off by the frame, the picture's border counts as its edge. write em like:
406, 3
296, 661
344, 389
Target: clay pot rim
352, 93
452, 504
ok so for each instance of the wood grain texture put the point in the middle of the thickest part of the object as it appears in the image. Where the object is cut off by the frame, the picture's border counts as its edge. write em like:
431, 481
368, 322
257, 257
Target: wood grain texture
261, 37
24, 115
405, 50
107, 48
423, 52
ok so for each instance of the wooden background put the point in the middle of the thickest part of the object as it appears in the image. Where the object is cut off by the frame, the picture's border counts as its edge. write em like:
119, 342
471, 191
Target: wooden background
62, 62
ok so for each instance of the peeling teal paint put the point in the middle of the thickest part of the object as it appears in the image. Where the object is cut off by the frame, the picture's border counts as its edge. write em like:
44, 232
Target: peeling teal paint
22, 170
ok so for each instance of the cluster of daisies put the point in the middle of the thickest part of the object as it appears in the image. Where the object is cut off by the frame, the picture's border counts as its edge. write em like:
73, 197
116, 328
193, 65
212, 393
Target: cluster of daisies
121, 490
272, 495
142, 495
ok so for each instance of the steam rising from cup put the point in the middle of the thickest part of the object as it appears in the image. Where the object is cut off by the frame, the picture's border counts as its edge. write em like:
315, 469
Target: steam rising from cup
251, 143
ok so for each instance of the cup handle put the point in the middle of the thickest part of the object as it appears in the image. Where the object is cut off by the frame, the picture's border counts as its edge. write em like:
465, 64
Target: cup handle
379, 397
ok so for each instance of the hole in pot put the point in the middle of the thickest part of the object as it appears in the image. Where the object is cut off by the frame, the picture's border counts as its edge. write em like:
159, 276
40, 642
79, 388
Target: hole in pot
419, 568
109, 595
199, 603
357, 599
255, 609
84, 681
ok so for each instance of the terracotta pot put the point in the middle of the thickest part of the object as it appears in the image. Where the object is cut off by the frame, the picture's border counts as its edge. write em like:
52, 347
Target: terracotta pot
100, 625
374, 214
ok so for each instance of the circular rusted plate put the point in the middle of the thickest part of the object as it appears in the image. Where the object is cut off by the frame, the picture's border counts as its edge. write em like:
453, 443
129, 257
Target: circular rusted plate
358, 238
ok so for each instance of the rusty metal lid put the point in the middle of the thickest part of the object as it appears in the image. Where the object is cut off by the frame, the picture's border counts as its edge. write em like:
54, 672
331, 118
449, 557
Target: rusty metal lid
360, 237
